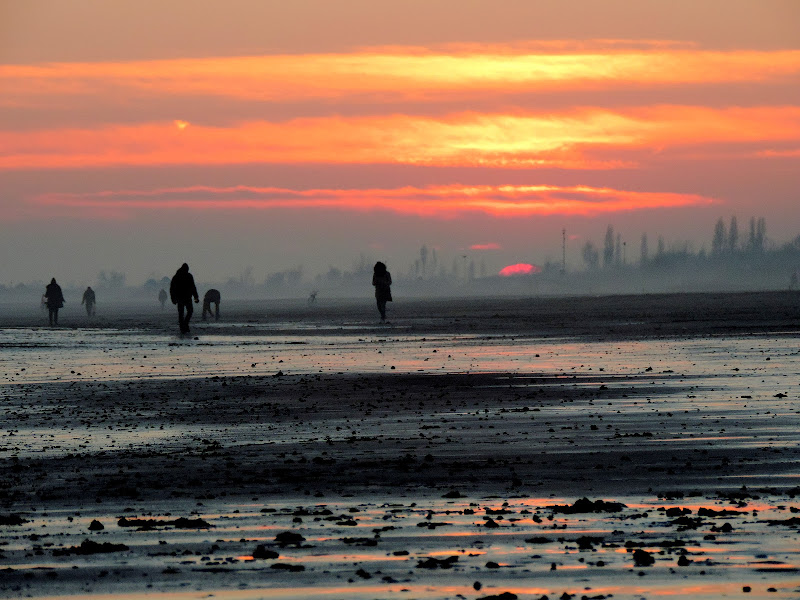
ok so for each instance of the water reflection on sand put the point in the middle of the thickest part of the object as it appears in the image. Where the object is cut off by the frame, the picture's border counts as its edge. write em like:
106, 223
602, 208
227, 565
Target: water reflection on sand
109, 354
679, 397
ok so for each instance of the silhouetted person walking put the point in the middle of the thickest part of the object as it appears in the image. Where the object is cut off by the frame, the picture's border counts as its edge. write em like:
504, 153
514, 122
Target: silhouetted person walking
162, 297
211, 297
89, 300
55, 300
181, 291
382, 281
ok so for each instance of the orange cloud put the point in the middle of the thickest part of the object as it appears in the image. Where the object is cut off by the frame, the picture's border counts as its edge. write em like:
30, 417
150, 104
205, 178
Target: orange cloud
519, 269
490, 246
435, 201
791, 153
400, 72
578, 139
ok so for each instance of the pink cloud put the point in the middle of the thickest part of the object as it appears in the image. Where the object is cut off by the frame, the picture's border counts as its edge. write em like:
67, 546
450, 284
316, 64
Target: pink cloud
490, 246
444, 202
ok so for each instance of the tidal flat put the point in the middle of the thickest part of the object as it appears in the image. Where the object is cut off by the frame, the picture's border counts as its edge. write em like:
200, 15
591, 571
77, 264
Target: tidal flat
618, 447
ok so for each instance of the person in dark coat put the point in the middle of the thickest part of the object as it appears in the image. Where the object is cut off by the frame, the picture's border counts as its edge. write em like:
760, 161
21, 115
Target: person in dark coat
181, 291
211, 297
89, 300
382, 281
55, 300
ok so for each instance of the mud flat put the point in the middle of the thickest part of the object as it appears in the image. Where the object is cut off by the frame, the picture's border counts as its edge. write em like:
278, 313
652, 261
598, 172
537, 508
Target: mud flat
328, 457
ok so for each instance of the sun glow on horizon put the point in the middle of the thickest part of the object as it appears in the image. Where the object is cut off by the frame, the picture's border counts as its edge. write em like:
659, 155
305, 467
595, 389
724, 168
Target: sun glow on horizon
519, 269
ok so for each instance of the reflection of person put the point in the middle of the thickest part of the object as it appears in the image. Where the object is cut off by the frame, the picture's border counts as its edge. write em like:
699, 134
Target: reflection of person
55, 300
162, 297
88, 300
181, 291
382, 281
211, 297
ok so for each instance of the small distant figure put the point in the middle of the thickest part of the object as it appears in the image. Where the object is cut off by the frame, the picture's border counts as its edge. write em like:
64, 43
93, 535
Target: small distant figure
55, 300
312, 297
382, 281
89, 301
181, 290
211, 297
162, 297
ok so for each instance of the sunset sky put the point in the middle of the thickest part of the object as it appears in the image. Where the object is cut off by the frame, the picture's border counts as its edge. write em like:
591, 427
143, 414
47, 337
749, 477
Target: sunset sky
135, 136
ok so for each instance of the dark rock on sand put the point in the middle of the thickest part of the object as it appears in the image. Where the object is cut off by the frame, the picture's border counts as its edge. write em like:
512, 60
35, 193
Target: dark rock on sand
288, 567
710, 512
642, 558
90, 547
587, 542
289, 537
179, 523
262, 551
360, 541
12, 520
96, 525
453, 494
437, 563
503, 596
584, 505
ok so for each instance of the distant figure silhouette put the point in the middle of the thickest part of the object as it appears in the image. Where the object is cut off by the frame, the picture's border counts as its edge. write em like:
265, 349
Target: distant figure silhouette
162, 297
89, 300
55, 300
312, 297
181, 291
211, 297
382, 281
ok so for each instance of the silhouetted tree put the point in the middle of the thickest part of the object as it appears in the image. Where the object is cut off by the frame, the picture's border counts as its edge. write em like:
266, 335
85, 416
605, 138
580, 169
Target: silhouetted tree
111, 280
733, 235
644, 250
761, 235
718, 243
590, 256
423, 257
333, 275
608, 247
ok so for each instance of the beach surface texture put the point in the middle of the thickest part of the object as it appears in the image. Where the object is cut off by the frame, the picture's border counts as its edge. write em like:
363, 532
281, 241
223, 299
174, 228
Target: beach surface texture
563, 448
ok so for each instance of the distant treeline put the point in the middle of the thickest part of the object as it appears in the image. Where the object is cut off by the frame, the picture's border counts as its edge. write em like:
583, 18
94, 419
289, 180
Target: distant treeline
736, 261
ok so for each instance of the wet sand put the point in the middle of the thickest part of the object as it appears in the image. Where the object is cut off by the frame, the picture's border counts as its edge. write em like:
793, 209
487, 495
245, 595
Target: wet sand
308, 452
